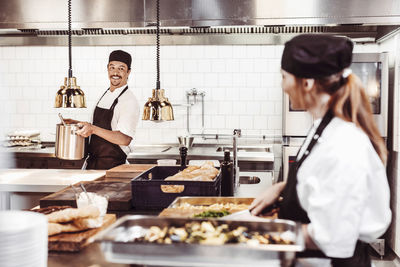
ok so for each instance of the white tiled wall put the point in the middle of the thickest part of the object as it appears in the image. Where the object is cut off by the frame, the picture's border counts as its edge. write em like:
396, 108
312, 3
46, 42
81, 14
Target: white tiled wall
242, 86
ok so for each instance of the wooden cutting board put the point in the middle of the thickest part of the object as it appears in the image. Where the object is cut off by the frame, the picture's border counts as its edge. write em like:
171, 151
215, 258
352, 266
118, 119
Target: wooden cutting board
76, 241
119, 193
128, 170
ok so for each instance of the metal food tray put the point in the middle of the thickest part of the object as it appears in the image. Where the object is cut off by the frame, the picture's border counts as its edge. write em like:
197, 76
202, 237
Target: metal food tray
117, 246
208, 201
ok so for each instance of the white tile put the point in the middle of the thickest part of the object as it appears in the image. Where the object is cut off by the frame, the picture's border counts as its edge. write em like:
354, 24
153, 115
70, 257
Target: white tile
197, 51
225, 80
218, 65
15, 93
183, 80
267, 80
239, 80
148, 65
279, 51
29, 93
246, 122
275, 94
260, 122
190, 65
169, 79
211, 51
218, 121
232, 94
268, 108
9, 52
260, 93
225, 108
184, 52
16, 121
253, 80
239, 108
278, 108
232, 65
175, 66
204, 65
3, 67
246, 65
197, 80
275, 122
253, 108
22, 106
22, 52
211, 108
29, 121
239, 51
35, 52
210, 79
218, 94
246, 94
225, 51
268, 51
35, 106
253, 51
260, 65
10, 107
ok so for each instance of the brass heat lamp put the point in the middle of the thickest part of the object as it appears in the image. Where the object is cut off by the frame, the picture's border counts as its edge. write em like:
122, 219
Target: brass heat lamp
70, 94
158, 108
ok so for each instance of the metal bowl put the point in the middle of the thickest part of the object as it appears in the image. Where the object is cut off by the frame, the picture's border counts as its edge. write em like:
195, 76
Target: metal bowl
186, 141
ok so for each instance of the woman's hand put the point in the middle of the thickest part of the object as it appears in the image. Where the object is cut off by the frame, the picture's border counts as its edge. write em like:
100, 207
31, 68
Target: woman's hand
267, 198
86, 129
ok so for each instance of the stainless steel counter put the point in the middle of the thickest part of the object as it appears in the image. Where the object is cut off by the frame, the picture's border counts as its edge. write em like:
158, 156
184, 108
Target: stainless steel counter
167, 151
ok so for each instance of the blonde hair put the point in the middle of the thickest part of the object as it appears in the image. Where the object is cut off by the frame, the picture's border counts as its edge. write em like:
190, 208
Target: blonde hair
350, 103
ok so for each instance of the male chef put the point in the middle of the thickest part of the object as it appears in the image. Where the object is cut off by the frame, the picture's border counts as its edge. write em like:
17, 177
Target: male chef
114, 119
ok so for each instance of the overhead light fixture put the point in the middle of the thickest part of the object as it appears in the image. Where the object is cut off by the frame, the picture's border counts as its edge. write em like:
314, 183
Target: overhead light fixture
157, 107
70, 94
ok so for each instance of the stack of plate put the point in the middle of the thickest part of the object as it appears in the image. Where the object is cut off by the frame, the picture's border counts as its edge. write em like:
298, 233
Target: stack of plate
23, 239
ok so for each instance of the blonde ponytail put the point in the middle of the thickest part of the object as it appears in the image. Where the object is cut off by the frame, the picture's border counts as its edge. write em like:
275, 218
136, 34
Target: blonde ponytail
350, 102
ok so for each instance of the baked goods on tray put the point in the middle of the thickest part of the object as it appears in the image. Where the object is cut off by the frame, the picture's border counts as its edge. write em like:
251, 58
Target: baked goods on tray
205, 172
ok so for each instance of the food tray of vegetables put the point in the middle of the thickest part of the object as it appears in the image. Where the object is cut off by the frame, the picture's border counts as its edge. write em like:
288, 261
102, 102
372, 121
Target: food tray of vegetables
137, 239
205, 207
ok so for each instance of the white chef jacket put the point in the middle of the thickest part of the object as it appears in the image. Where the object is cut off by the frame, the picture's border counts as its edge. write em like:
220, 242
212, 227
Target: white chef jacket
126, 113
343, 187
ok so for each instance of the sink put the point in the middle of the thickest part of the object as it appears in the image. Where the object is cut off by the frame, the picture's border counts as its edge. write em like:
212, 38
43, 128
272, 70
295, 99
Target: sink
245, 149
151, 149
249, 180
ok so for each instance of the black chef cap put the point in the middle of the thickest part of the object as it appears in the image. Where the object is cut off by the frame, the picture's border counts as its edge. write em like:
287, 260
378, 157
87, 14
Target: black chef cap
316, 55
122, 56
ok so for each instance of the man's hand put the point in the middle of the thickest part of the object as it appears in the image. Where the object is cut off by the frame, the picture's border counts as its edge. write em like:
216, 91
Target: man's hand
71, 121
267, 198
86, 129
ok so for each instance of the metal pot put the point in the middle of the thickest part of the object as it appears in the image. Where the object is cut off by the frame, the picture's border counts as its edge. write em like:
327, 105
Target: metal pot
69, 145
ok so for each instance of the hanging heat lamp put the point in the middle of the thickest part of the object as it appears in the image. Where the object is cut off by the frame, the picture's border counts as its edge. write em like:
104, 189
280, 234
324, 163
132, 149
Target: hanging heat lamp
157, 107
70, 94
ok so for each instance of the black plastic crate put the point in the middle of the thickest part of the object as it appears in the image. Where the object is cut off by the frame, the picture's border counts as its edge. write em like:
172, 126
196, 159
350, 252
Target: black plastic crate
147, 192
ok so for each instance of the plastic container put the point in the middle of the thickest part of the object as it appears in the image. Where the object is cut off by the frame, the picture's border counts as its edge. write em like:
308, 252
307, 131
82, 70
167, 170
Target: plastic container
148, 189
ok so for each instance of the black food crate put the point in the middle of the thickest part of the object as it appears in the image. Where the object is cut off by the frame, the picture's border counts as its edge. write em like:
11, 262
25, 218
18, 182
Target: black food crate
147, 191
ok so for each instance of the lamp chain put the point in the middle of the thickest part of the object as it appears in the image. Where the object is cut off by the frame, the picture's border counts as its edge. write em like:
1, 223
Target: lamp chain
69, 40
158, 86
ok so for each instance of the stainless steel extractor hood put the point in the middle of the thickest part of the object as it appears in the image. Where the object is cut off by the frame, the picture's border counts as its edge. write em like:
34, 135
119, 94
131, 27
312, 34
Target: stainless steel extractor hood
42, 22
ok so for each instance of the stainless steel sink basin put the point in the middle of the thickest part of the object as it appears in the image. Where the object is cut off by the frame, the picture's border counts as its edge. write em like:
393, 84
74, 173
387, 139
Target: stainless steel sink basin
249, 180
245, 148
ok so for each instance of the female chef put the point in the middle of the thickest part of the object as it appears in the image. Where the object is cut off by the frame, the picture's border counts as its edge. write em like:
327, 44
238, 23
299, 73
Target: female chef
337, 188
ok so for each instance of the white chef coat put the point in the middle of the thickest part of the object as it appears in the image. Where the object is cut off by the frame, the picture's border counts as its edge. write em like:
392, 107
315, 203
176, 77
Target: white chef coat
343, 187
126, 113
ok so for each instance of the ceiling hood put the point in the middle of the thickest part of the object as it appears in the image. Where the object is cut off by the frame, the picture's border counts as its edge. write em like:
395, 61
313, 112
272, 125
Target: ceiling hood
42, 22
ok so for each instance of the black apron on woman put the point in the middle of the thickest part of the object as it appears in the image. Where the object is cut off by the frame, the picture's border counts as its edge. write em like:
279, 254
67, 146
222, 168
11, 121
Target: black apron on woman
104, 155
291, 209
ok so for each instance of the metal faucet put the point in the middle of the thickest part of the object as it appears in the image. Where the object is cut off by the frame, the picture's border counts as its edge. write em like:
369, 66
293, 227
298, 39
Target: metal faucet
236, 134
192, 94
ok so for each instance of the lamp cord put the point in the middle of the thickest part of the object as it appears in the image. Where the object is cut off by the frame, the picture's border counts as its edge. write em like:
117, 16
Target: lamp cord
158, 45
69, 40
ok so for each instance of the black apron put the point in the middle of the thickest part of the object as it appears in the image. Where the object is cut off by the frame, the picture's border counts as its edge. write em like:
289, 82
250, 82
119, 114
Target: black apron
291, 209
104, 155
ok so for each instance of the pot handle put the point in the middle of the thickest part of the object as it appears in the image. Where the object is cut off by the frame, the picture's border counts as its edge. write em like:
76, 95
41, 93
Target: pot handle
73, 130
